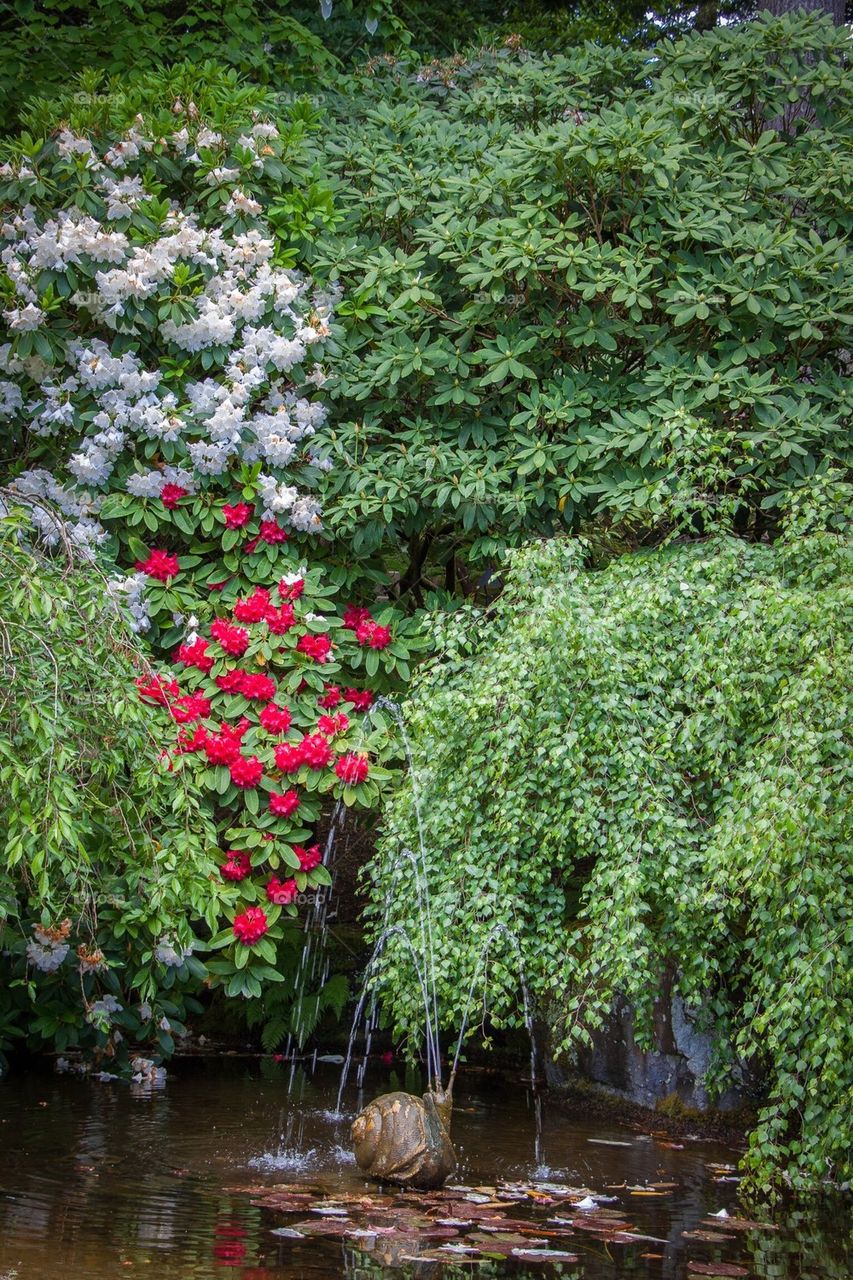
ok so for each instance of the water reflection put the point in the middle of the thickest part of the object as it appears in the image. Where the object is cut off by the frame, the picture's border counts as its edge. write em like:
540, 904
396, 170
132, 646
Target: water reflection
96, 1181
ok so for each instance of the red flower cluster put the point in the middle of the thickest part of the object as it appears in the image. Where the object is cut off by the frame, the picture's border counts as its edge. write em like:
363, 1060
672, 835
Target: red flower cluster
282, 892
238, 515
272, 532
223, 747
308, 858
275, 719
284, 805
160, 565
372, 635
352, 768
248, 683
171, 494
355, 616
291, 590
317, 647
254, 607
288, 757
258, 608
236, 866
195, 655
246, 773
332, 725
189, 707
250, 925
157, 689
191, 699
234, 640
330, 698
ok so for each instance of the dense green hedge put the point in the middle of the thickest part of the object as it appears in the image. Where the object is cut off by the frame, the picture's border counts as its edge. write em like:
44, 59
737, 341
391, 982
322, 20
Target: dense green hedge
607, 285
637, 769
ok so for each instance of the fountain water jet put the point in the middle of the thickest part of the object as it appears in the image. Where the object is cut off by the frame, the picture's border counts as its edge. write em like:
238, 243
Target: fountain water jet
399, 1137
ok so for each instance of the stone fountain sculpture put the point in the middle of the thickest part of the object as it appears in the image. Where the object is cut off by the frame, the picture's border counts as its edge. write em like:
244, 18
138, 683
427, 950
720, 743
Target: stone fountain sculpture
404, 1139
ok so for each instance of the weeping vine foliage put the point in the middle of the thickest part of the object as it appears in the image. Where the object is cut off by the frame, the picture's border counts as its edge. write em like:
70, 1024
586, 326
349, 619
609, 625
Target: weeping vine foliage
637, 770
105, 862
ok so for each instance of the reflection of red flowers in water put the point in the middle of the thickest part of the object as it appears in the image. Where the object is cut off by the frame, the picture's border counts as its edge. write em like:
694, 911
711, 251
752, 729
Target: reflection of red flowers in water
228, 1246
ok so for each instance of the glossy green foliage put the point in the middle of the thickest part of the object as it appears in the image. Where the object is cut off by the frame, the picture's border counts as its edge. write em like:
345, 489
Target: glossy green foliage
640, 770
602, 285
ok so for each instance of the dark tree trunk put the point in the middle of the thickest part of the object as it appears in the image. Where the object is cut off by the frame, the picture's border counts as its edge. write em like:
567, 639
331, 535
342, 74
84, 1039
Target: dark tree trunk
835, 8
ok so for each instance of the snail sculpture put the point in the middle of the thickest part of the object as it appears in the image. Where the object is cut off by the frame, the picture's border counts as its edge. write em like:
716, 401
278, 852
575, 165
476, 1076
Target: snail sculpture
404, 1139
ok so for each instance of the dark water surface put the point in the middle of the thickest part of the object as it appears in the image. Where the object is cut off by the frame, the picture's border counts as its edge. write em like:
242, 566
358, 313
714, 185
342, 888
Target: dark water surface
100, 1181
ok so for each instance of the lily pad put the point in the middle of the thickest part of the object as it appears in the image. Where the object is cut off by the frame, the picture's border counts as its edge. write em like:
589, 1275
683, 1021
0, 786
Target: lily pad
716, 1269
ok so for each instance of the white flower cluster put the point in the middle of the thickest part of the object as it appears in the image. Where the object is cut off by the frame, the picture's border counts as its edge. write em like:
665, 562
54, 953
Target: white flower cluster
146, 1072
57, 511
100, 1012
252, 323
44, 952
129, 593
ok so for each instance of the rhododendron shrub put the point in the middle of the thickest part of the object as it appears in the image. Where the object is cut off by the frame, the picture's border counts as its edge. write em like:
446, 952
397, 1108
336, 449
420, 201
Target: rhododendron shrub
162, 381
163, 362
265, 715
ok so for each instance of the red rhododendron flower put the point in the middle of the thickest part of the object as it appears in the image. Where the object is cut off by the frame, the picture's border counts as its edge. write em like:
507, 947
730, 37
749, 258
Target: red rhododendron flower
331, 697
272, 532
316, 751
195, 655
283, 805
281, 892
189, 707
355, 616
232, 681
291, 590
280, 620
352, 768
250, 926
316, 647
157, 689
238, 515
275, 719
195, 741
222, 748
257, 686
160, 565
246, 773
234, 640
361, 699
171, 495
308, 858
254, 607
371, 634
330, 725
288, 758
236, 866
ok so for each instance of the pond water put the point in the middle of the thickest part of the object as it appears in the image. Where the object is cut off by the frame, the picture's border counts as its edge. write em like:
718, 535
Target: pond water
103, 1180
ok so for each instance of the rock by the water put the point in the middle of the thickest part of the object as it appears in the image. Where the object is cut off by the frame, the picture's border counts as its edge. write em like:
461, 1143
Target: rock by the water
404, 1139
